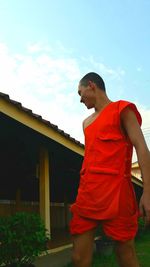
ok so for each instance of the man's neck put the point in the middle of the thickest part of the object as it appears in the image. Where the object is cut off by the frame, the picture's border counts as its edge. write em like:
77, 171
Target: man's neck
101, 104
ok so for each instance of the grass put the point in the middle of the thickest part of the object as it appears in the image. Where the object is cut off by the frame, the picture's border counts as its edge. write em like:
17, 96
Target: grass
142, 248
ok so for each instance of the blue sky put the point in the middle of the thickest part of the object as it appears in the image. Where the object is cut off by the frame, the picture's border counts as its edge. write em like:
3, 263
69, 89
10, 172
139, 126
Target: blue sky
47, 46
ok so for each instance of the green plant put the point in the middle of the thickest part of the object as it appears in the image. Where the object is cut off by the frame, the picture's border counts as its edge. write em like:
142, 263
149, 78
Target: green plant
22, 238
141, 227
141, 224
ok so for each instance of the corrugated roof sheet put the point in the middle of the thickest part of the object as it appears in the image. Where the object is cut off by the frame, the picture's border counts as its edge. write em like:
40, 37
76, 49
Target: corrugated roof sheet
39, 117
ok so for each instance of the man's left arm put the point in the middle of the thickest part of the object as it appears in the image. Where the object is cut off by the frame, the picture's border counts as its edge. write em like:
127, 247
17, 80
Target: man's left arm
133, 130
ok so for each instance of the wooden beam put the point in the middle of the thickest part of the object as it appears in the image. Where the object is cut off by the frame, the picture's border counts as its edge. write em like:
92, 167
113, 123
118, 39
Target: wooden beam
137, 181
44, 187
15, 112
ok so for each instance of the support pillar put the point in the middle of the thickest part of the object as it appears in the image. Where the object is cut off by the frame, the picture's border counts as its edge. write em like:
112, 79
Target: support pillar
44, 187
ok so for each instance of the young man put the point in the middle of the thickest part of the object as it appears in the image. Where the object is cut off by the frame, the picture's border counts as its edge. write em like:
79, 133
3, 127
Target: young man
105, 194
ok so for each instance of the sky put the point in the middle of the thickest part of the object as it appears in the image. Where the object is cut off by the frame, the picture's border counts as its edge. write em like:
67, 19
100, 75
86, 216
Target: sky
47, 46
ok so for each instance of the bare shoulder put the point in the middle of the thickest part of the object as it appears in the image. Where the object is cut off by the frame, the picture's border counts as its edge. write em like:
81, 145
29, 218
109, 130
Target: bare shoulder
87, 121
128, 115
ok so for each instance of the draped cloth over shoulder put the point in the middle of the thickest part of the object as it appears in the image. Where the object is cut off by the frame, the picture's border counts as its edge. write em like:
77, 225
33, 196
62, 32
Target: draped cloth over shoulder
106, 165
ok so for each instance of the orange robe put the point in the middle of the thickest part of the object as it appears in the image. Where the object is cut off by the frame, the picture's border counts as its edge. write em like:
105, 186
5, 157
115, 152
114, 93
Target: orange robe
107, 162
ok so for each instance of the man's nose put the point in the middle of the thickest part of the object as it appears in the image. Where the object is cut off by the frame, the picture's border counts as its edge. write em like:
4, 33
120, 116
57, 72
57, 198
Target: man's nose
81, 100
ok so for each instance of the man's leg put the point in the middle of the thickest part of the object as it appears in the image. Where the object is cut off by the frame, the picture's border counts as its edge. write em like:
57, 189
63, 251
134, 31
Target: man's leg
126, 255
83, 248
123, 227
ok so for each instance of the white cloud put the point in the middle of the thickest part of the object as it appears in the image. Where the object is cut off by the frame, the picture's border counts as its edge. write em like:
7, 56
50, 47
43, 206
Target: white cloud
106, 71
47, 83
38, 47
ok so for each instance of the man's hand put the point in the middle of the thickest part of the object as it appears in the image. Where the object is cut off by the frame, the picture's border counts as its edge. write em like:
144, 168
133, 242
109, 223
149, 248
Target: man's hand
144, 207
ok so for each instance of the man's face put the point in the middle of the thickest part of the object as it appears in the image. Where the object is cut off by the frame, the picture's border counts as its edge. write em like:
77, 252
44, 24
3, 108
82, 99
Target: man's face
87, 95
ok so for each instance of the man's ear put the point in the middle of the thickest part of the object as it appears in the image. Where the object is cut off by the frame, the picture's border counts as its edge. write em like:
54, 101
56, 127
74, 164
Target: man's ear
91, 84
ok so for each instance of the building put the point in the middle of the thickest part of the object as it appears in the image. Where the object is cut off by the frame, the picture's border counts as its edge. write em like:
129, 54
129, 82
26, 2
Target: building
39, 167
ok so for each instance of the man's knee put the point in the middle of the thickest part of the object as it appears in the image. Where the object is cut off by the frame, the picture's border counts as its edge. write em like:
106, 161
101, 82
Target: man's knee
125, 246
83, 249
76, 258
125, 252
81, 260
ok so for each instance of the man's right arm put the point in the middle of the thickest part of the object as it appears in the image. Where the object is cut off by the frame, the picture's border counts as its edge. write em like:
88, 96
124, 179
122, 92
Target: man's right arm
136, 137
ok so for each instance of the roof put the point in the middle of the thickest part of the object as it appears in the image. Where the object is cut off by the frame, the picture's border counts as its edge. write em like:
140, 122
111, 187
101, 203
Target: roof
39, 118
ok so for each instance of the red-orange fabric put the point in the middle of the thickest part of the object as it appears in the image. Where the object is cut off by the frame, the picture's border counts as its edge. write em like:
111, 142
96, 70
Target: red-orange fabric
122, 228
106, 165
